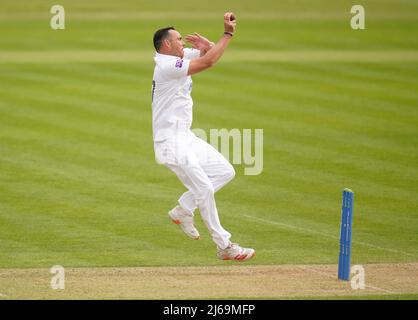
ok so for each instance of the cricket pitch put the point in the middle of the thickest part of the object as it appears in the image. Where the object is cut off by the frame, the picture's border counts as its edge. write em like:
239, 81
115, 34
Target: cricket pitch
209, 282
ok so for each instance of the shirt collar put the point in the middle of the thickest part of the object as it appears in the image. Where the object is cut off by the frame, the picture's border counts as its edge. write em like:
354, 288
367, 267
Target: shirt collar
165, 56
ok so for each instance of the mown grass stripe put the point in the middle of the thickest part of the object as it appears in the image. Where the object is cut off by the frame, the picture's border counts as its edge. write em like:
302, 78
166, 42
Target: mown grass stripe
352, 74
81, 238
291, 80
312, 127
86, 170
371, 188
138, 56
94, 79
127, 92
366, 161
60, 112
115, 14
45, 170
82, 100
64, 130
309, 151
290, 97
83, 182
61, 158
306, 229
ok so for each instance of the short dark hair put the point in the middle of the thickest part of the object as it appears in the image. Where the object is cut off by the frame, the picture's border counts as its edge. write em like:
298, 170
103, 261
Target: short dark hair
160, 36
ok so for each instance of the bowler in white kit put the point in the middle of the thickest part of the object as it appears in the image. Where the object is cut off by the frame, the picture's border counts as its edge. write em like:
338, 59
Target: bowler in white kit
199, 166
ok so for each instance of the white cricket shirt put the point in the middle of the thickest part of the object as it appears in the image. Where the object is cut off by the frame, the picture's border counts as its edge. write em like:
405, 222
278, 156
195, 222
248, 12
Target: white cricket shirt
171, 93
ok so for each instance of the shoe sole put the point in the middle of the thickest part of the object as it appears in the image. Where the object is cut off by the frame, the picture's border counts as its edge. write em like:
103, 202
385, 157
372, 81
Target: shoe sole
241, 257
178, 222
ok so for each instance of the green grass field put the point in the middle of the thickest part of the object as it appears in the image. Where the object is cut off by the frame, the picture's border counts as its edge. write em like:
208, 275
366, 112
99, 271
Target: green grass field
79, 186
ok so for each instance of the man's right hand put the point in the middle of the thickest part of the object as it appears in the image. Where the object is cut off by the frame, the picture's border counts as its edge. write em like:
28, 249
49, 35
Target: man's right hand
229, 25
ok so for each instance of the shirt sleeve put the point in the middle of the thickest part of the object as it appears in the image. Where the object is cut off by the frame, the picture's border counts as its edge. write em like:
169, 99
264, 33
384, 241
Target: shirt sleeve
190, 53
175, 68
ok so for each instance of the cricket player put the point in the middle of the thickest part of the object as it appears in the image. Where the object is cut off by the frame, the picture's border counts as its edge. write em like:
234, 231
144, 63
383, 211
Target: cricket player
199, 166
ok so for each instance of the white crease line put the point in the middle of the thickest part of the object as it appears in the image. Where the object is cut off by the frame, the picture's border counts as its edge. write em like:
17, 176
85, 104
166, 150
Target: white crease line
384, 290
329, 276
289, 226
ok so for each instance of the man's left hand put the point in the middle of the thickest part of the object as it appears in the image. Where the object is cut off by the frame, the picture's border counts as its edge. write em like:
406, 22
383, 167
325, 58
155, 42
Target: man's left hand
199, 42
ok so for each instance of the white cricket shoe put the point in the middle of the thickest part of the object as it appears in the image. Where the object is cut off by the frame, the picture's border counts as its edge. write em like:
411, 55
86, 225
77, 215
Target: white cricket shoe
185, 221
235, 252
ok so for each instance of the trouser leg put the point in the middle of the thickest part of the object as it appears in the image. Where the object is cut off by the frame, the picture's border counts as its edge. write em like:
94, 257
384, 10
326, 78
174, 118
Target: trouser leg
213, 163
199, 184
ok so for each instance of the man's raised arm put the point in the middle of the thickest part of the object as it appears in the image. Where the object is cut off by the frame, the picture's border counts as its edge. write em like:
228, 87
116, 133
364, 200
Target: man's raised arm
213, 55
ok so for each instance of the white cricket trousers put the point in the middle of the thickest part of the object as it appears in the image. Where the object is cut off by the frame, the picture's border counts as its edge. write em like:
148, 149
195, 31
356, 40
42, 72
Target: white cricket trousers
203, 171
